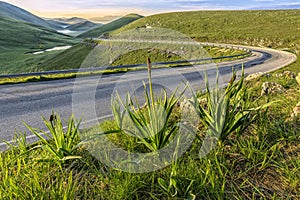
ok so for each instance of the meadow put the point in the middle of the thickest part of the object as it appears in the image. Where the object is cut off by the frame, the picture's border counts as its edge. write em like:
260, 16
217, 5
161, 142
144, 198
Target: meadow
256, 156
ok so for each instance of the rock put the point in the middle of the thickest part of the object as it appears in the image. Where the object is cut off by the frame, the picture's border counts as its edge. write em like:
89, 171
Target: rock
287, 74
256, 75
203, 101
185, 105
296, 111
298, 78
253, 76
271, 87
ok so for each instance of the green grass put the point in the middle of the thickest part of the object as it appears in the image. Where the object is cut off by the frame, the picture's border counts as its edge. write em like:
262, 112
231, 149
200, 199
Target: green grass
69, 59
18, 61
74, 57
17, 13
18, 38
136, 57
17, 34
261, 163
276, 29
37, 78
107, 28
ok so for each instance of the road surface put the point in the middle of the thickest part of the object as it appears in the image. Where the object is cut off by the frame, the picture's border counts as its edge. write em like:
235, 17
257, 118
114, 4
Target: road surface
29, 101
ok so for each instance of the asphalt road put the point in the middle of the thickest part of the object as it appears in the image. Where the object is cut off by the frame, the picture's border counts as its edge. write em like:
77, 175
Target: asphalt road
90, 97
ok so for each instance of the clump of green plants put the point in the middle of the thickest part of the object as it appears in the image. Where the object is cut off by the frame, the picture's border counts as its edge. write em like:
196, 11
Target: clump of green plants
227, 111
149, 123
60, 142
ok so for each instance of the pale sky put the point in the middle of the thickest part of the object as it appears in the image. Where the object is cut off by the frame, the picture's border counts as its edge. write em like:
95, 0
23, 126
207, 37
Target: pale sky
98, 8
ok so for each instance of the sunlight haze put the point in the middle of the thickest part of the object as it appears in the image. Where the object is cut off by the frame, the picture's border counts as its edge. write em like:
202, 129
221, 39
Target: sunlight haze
95, 8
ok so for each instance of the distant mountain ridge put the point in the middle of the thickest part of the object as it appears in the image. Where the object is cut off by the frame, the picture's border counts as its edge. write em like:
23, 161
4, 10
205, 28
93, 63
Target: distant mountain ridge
104, 19
82, 26
72, 20
106, 28
14, 12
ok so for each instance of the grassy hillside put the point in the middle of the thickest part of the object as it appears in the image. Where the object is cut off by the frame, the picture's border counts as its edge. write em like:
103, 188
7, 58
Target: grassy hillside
69, 59
17, 39
17, 34
277, 29
73, 58
110, 26
14, 12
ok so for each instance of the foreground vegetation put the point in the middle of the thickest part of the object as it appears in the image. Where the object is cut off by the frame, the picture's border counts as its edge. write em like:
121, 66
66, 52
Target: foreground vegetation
258, 159
261, 161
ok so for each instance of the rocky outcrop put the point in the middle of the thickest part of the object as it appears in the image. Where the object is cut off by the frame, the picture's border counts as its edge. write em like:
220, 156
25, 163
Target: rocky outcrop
296, 112
286, 74
271, 87
257, 75
298, 78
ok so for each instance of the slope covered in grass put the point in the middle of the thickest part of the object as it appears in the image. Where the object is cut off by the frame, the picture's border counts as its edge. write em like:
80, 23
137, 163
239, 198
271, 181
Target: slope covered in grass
18, 34
110, 26
18, 39
73, 58
69, 59
278, 28
14, 12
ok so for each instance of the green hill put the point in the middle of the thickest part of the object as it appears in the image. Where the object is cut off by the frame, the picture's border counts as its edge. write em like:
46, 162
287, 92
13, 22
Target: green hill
18, 34
110, 26
68, 59
14, 12
18, 38
279, 28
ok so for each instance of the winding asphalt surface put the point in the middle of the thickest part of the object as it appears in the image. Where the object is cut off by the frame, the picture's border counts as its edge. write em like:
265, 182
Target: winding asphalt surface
29, 101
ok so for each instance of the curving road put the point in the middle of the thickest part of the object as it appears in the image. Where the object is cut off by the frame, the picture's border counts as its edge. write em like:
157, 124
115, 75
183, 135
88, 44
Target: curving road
29, 101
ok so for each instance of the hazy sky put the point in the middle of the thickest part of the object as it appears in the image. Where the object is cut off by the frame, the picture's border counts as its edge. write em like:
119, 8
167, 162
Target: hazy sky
89, 8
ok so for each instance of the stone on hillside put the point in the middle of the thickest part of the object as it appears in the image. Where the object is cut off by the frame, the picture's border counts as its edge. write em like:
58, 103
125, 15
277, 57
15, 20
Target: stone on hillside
186, 106
296, 111
256, 75
298, 78
271, 87
253, 76
287, 74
